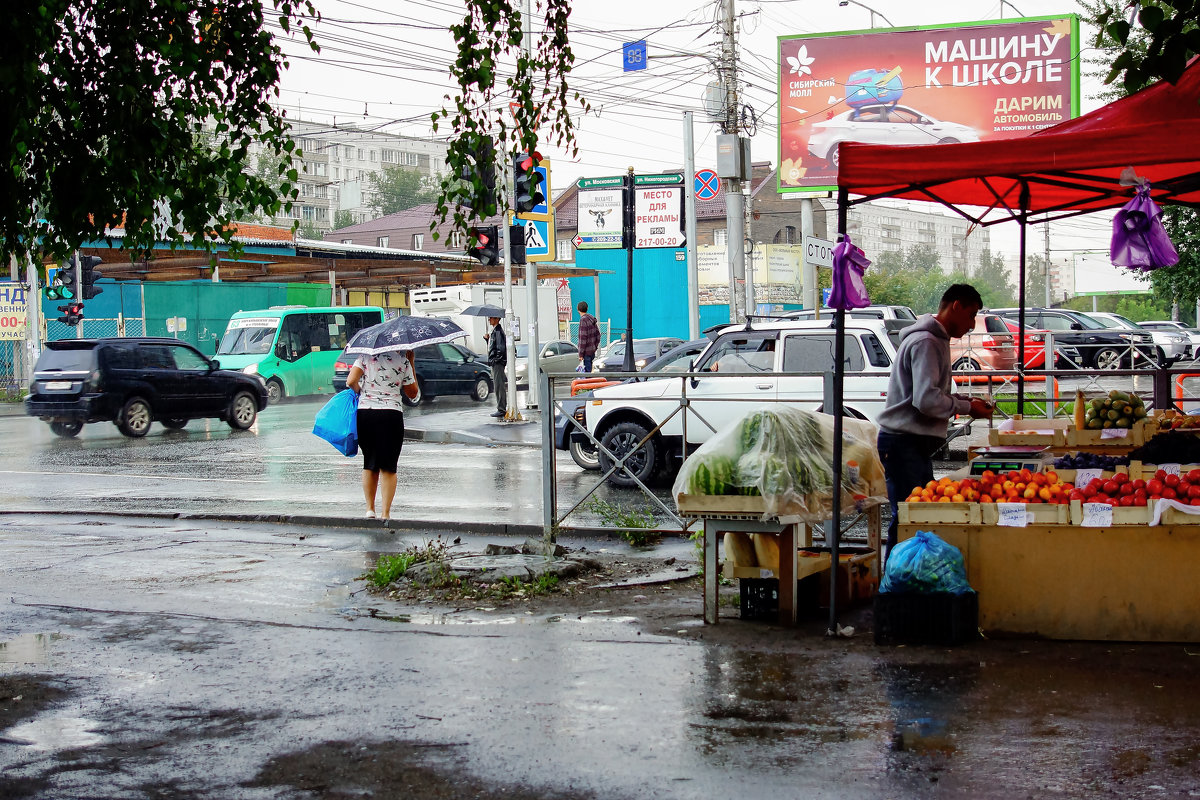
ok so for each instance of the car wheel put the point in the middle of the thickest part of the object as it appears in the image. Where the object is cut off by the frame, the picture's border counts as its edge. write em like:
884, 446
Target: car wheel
414, 401
483, 388
175, 423
275, 391
243, 410
585, 454
966, 365
1108, 358
67, 430
832, 158
621, 439
135, 417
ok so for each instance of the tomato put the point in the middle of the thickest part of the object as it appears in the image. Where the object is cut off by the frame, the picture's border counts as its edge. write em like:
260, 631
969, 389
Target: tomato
1195, 502
1139, 493
1097, 482
1193, 476
1139, 484
1139, 501
1171, 480
1169, 493
1091, 490
1160, 474
1111, 487
1155, 487
1126, 489
1127, 500
1121, 478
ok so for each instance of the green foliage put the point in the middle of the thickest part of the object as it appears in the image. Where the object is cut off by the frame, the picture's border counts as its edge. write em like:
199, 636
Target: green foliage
1137, 307
1153, 43
399, 188
1164, 35
993, 282
389, 567
309, 230
912, 278
342, 219
489, 44
633, 522
104, 112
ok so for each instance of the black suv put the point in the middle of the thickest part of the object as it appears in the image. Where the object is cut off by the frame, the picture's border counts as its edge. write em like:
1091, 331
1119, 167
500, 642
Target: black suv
133, 382
1099, 347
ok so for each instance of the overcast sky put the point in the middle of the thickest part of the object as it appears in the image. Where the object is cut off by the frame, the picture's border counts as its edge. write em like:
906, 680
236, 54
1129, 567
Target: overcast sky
387, 68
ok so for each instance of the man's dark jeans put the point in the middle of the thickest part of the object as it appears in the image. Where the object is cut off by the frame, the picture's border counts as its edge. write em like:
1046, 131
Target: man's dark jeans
587, 363
907, 462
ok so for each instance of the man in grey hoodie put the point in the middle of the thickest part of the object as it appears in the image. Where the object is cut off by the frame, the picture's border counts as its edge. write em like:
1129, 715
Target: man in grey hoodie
912, 426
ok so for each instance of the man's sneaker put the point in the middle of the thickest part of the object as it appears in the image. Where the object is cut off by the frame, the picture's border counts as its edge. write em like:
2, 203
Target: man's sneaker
497, 413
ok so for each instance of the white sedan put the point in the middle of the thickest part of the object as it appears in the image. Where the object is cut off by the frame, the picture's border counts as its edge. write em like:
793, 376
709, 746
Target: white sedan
558, 356
883, 124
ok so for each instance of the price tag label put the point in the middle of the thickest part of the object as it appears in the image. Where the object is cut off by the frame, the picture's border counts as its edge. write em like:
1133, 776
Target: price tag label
1114, 433
1170, 469
1097, 515
1084, 476
1012, 515
766, 573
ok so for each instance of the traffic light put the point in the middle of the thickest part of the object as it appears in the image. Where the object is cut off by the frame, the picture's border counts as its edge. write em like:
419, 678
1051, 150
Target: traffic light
90, 276
478, 173
516, 243
485, 245
64, 286
527, 183
72, 314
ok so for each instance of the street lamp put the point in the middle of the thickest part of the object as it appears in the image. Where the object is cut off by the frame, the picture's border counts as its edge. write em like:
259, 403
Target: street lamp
844, 3
1004, 3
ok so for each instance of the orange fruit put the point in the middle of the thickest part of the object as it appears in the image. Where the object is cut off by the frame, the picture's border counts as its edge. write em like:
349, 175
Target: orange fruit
943, 499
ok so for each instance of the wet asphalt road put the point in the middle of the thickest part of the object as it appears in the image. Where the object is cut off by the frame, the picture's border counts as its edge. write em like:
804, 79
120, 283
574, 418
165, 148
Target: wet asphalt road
145, 658
168, 659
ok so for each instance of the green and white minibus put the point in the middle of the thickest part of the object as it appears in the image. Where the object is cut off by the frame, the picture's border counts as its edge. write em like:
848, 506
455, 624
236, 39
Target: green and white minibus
292, 348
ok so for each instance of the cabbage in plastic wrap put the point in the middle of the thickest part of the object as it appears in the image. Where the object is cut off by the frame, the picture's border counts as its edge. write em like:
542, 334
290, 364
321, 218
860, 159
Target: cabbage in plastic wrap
785, 455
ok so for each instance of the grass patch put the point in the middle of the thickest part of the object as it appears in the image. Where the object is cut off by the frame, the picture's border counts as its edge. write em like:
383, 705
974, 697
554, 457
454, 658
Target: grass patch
389, 567
634, 523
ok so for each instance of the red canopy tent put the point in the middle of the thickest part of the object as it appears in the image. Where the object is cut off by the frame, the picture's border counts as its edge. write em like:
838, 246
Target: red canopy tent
1071, 168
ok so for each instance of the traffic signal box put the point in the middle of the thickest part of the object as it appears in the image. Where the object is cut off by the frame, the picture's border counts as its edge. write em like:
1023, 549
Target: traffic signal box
90, 276
72, 314
527, 181
64, 286
484, 244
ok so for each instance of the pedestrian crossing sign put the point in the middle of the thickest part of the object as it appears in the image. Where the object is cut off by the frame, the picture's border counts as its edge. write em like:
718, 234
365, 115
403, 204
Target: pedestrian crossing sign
539, 239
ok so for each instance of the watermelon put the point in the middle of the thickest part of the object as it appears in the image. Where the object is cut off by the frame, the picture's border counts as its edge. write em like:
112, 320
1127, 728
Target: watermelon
713, 475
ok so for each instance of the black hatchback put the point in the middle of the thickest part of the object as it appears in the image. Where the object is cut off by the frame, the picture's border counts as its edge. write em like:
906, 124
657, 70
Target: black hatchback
134, 382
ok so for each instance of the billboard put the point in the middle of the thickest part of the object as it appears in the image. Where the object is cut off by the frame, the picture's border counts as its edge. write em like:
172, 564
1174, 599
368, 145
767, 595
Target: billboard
960, 83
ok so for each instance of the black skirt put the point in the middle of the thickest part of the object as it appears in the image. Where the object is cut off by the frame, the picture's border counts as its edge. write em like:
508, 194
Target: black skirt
380, 437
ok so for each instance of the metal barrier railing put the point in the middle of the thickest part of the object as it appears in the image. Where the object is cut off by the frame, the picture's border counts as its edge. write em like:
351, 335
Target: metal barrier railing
1162, 387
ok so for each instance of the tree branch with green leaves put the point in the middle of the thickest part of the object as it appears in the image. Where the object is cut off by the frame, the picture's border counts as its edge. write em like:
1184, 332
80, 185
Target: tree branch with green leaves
489, 46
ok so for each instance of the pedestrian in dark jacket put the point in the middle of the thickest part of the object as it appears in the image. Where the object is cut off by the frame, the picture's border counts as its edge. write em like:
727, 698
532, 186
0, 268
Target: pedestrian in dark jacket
589, 336
498, 360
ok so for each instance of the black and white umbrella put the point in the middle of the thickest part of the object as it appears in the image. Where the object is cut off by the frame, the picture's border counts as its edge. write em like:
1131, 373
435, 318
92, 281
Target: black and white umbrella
483, 311
403, 333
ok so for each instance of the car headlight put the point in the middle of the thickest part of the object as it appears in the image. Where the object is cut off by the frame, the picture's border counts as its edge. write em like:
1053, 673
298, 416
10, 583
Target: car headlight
641, 362
250, 369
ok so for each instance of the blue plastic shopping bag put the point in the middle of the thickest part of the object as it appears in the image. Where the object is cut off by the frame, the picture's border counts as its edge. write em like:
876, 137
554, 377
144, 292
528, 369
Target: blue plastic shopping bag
337, 422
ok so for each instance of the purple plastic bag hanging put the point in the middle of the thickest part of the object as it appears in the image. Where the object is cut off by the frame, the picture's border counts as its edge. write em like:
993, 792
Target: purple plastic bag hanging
849, 264
1139, 240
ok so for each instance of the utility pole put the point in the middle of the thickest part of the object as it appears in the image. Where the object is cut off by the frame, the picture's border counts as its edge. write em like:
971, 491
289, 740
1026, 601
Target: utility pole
734, 200
1046, 232
533, 362
689, 222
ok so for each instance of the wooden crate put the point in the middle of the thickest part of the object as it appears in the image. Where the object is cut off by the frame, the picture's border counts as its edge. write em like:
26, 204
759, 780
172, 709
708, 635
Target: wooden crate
1121, 515
725, 506
1173, 516
1036, 514
1146, 471
1031, 432
1134, 436
939, 513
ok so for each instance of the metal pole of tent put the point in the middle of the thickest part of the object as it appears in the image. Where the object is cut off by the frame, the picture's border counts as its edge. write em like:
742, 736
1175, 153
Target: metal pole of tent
839, 377
1023, 222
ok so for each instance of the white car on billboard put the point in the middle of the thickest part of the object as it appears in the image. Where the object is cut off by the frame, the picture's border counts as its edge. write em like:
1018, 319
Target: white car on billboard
883, 124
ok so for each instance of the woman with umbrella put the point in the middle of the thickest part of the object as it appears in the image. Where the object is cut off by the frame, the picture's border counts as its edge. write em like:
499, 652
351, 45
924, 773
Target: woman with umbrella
383, 371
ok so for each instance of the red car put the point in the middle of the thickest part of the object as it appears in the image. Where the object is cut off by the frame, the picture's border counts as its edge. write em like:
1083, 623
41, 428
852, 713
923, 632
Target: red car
1035, 349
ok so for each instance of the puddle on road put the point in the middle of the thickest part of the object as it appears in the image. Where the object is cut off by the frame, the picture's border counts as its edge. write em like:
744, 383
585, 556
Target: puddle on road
29, 648
55, 732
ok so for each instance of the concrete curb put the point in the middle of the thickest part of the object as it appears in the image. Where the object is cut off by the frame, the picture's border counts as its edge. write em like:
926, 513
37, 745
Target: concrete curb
523, 530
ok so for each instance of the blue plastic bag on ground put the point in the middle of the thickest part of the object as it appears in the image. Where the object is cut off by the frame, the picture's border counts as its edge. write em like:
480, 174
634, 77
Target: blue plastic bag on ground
925, 563
337, 422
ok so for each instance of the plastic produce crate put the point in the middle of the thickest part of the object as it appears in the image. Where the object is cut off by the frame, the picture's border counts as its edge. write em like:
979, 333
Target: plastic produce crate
760, 597
940, 618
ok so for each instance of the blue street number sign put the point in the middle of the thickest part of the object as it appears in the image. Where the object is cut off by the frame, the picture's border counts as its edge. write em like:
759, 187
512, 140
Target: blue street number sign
707, 184
635, 55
